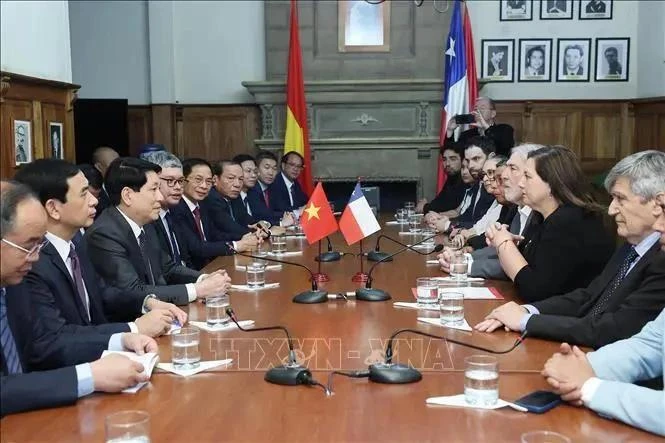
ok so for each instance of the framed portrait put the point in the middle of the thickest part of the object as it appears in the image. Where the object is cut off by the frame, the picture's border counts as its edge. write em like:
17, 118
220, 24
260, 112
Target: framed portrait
55, 140
595, 9
612, 59
535, 60
363, 26
22, 141
497, 60
573, 55
556, 9
513, 10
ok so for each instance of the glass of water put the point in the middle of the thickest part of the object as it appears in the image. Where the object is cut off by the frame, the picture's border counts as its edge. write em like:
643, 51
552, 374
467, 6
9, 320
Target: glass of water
427, 291
451, 304
459, 266
127, 426
544, 437
415, 224
481, 380
278, 244
185, 348
216, 310
256, 275
400, 216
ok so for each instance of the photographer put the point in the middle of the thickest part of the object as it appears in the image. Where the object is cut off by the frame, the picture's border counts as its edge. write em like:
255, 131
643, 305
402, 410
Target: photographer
484, 124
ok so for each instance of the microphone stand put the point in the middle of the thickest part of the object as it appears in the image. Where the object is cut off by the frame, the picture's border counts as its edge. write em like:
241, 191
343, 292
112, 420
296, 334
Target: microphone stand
360, 277
397, 373
330, 255
320, 276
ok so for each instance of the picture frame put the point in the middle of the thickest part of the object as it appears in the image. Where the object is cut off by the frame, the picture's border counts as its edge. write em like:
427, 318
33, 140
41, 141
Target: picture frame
575, 67
363, 26
498, 60
515, 10
22, 142
535, 60
595, 9
612, 59
556, 9
55, 142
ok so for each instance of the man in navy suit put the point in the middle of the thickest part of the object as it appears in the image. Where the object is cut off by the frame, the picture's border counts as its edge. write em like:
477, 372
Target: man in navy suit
66, 290
42, 368
285, 192
258, 194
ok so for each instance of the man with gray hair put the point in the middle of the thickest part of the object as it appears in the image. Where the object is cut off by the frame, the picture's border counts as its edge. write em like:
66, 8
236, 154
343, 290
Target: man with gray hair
629, 291
171, 185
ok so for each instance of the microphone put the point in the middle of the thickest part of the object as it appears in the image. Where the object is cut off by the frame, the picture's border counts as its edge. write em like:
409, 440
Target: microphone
311, 296
369, 294
396, 373
330, 255
290, 374
376, 255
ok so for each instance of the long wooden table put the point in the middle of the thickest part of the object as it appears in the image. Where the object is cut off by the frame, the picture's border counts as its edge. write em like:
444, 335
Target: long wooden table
236, 404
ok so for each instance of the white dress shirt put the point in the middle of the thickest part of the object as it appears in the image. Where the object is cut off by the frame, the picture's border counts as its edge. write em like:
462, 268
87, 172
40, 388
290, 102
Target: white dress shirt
243, 196
525, 212
490, 217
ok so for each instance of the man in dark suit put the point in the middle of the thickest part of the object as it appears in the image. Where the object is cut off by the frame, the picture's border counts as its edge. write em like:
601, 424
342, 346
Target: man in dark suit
123, 242
629, 291
285, 192
452, 193
66, 289
574, 59
102, 157
258, 196
42, 368
485, 125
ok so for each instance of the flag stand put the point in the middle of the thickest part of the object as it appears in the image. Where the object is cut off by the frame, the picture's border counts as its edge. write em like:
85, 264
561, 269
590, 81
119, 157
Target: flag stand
360, 277
320, 276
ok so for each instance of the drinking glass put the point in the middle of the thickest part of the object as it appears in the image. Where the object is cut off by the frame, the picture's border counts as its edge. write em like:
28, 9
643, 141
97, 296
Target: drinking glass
459, 266
481, 380
185, 348
400, 216
216, 310
544, 437
278, 244
256, 275
427, 291
415, 224
127, 427
410, 205
451, 304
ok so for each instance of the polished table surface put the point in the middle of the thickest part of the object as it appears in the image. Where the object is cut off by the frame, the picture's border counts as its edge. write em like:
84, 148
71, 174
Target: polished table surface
235, 404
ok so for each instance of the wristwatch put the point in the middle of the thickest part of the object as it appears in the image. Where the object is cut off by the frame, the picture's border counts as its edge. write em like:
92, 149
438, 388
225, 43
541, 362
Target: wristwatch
144, 308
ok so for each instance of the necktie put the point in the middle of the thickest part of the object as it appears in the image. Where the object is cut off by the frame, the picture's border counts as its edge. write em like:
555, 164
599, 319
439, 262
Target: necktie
616, 282
291, 194
78, 279
247, 208
7, 342
197, 219
231, 210
172, 238
266, 197
146, 258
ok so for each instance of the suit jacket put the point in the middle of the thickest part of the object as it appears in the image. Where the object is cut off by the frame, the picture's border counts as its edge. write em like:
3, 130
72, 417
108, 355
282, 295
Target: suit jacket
475, 212
116, 256
103, 202
259, 208
564, 252
279, 195
56, 299
48, 359
620, 364
450, 196
165, 242
201, 252
228, 216
638, 299
502, 134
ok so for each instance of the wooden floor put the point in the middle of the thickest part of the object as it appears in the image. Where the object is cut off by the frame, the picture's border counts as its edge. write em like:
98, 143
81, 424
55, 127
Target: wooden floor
236, 404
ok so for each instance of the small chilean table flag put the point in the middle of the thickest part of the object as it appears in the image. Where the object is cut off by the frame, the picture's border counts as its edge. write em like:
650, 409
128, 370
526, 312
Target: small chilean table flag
358, 221
318, 220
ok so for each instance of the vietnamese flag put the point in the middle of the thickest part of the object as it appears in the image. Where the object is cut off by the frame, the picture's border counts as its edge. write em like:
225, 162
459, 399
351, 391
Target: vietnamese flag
296, 137
317, 219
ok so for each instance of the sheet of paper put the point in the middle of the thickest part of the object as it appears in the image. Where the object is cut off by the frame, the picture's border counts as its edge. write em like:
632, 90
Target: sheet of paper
229, 327
203, 366
472, 293
450, 279
462, 326
459, 401
403, 304
285, 254
246, 288
148, 360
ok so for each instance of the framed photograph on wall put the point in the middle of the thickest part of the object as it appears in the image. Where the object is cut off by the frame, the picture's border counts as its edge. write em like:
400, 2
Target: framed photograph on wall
55, 140
573, 56
612, 58
512, 10
363, 26
556, 9
535, 60
22, 141
595, 9
497, 60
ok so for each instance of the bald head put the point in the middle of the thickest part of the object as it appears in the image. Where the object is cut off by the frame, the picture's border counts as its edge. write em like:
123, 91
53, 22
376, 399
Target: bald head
103, 157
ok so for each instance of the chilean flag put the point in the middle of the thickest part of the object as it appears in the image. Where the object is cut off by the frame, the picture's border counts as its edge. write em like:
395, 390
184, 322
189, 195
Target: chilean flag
461, 83
357, 221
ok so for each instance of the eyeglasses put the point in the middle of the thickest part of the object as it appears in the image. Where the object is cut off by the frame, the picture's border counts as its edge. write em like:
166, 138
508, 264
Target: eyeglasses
170, 182
29, 252
198, 181
295, 165
487, 176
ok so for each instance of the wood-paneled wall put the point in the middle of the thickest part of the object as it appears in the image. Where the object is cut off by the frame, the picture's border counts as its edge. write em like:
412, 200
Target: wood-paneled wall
39, 102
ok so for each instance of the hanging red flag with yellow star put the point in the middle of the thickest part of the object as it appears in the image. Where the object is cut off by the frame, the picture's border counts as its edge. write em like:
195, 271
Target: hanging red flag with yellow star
317, 219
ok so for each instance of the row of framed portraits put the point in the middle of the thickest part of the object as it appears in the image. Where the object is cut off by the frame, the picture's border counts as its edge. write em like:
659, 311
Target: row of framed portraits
522, 10
23, 141
573, 60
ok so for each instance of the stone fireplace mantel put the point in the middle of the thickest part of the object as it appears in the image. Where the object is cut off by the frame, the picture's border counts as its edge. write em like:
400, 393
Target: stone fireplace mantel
381, 129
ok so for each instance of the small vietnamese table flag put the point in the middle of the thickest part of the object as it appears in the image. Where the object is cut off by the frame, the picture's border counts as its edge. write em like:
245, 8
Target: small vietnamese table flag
358, 220
317, 218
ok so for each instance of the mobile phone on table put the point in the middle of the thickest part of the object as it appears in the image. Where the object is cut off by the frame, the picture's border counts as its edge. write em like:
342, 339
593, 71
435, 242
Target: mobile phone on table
465, 119
539, 402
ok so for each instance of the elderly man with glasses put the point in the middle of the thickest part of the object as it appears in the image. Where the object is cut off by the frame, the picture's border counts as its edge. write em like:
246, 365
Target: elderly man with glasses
285, 192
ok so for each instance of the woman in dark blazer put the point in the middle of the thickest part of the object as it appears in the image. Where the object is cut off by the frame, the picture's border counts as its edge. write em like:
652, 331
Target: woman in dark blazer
566, 244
